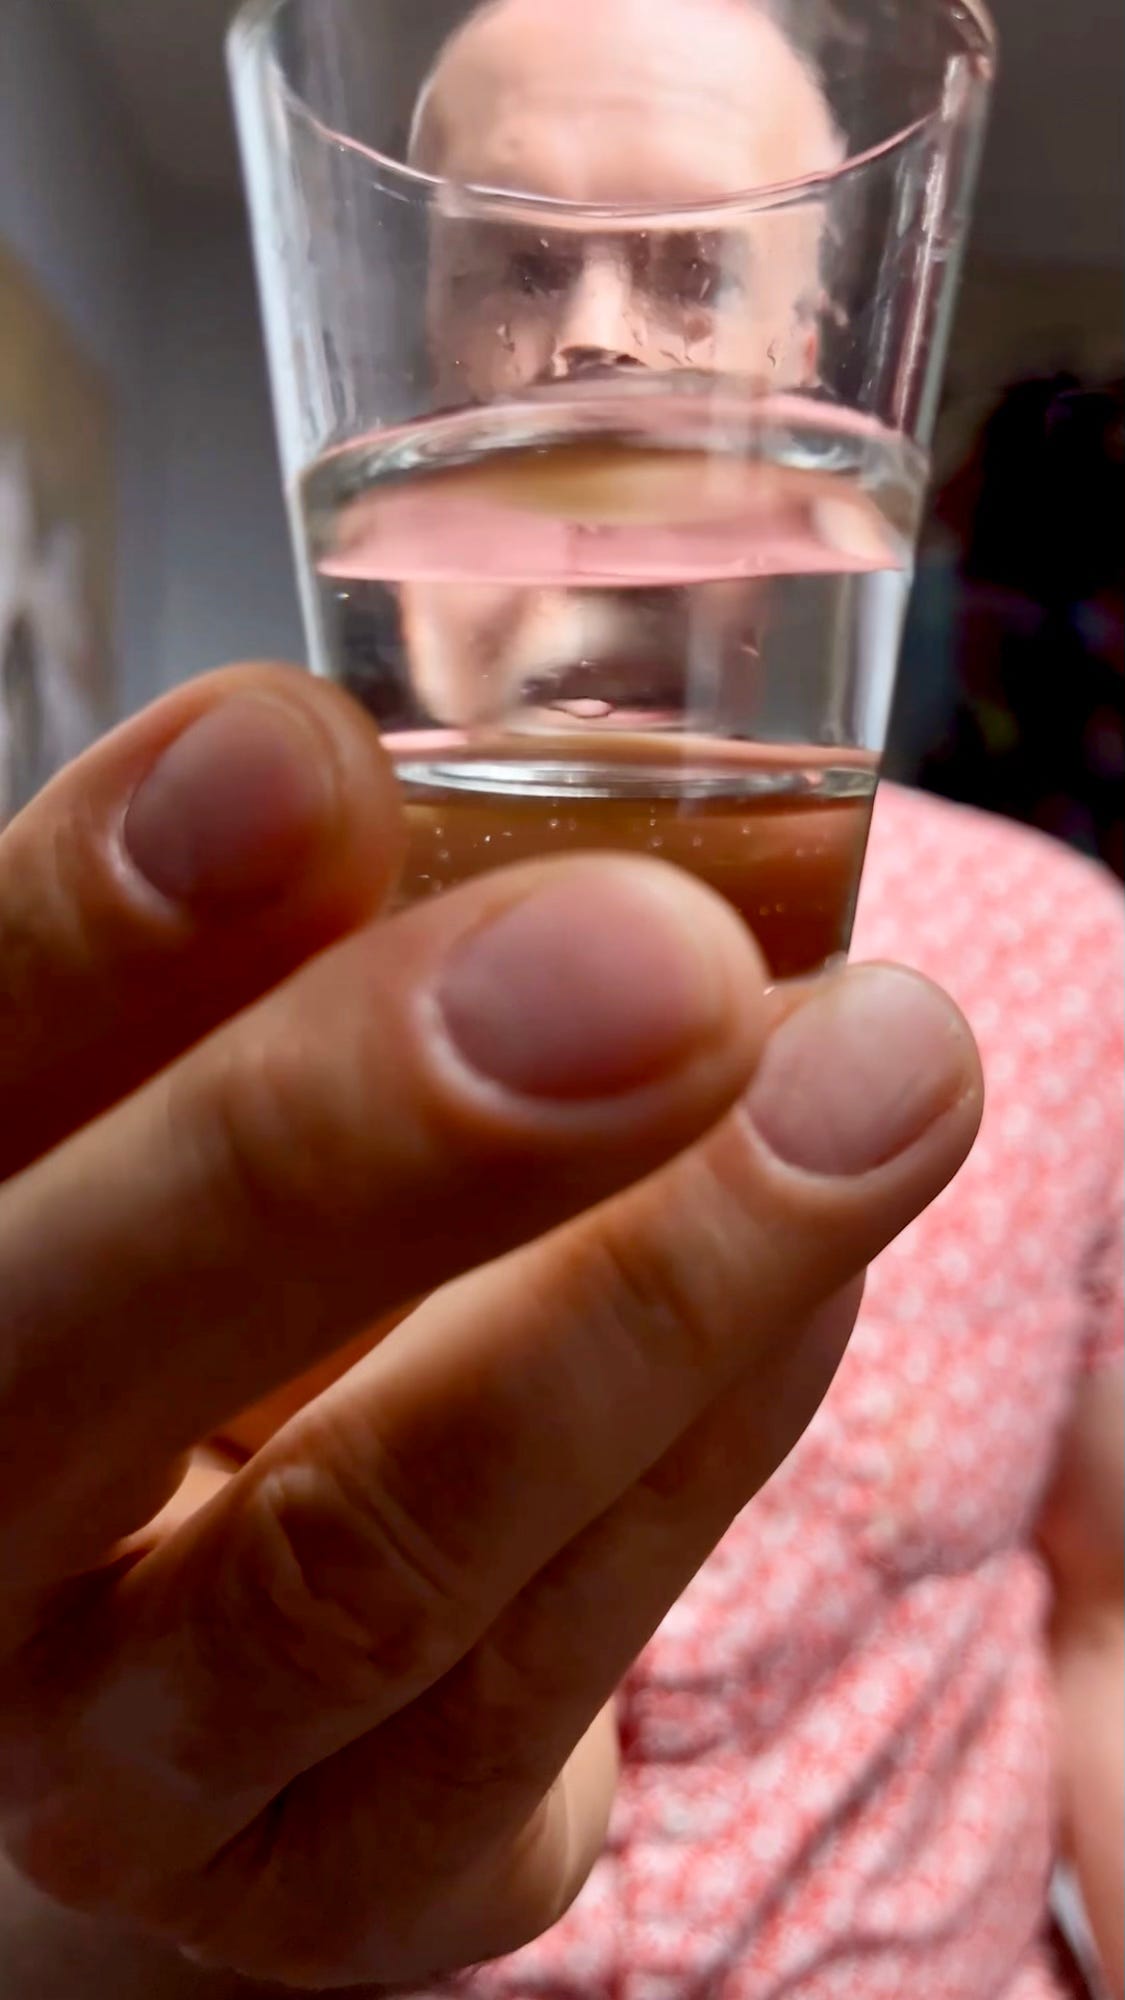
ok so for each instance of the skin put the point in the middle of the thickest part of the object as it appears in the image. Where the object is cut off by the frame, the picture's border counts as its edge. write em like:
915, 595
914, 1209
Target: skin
681, 102
1083, 1540
340, 1717
678, 101
633, 105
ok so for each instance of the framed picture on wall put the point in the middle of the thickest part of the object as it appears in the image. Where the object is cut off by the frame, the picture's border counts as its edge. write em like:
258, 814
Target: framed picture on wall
57, 508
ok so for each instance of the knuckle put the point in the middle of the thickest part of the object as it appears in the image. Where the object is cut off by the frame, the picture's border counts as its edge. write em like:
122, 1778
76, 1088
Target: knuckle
344, 1591
483, 1737
61, 1850
56, 906
671, 1292
287, 1125
314, 1905
273, 1909
309, 1904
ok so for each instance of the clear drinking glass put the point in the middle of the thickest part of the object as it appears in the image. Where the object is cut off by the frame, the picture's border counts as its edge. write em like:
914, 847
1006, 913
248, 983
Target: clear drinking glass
605, 343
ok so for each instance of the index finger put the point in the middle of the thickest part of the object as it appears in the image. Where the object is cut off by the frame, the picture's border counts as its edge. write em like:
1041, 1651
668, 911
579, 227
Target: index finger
433, 1091
165, 880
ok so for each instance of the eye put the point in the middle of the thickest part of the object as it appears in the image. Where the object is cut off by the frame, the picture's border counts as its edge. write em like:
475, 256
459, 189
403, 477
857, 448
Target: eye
698, 285
705, 282
699, 272
538, 274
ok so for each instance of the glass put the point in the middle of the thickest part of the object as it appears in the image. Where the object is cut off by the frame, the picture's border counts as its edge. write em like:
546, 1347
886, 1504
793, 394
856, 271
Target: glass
605, 345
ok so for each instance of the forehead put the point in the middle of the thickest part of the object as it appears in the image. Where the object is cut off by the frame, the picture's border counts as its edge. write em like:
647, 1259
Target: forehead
676, 100
622, 158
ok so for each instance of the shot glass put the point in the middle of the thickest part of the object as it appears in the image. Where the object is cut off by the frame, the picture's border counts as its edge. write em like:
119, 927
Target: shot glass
605, 342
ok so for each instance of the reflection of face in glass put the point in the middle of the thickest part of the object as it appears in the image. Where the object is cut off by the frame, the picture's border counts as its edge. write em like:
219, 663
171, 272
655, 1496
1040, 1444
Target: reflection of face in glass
675, 102
541, 303
649, 105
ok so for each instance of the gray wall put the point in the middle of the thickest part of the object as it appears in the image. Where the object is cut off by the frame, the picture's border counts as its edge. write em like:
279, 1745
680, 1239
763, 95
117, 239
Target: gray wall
1053, 185
226, 589
162, 294
1051, 192
72, 207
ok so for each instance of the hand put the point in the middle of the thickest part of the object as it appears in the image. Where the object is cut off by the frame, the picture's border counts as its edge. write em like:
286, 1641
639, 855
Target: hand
341, 1721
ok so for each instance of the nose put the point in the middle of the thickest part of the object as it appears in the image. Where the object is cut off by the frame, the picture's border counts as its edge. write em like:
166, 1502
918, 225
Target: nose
577, 360
601, 326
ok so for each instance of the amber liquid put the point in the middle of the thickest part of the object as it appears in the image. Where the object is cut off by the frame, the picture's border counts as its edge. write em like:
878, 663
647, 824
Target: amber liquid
782, 843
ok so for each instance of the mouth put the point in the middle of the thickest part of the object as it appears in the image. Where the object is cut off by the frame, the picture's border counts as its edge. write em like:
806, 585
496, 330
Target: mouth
632, 683
616, 658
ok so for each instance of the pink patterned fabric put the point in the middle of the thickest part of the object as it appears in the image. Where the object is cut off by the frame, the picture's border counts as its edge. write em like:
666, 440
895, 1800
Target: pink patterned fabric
837, 1750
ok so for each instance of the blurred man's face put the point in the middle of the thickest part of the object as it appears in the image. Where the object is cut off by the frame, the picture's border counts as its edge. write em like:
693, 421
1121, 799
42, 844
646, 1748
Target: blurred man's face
634, 103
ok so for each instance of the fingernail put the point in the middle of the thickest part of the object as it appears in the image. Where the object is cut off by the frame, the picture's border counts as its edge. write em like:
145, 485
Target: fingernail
232, 806
591, 988
860, 1072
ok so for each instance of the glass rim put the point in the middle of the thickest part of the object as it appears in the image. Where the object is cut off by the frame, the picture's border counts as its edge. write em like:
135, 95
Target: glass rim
972, 18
